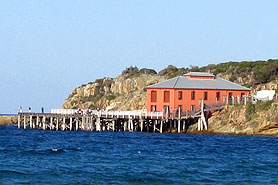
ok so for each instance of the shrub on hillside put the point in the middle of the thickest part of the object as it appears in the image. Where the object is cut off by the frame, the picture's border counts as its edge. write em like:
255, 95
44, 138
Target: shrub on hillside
250, 111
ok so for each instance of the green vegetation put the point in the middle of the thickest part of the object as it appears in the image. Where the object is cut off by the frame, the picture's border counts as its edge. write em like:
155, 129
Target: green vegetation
261, 106
172, 71
263, 71
238, 105
110, 97
92, 106
276, 91
250, 111
73, 103
132, 72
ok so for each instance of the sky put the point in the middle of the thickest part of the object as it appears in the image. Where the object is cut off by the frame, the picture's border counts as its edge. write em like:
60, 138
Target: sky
50, 47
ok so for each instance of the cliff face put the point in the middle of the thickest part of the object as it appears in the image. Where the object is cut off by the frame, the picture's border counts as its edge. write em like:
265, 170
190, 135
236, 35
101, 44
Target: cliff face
259, 119
124, 92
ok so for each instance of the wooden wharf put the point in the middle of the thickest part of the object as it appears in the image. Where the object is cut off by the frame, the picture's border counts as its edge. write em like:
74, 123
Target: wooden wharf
118, 120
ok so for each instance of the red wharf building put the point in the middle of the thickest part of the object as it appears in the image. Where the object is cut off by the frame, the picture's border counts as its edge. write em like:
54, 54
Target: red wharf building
185, 92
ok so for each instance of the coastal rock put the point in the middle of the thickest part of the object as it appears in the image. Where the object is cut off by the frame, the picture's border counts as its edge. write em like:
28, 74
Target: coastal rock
125, 92
232, 120
8, 120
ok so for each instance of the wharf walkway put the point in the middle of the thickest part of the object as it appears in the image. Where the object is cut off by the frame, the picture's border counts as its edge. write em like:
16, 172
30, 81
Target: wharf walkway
99, 120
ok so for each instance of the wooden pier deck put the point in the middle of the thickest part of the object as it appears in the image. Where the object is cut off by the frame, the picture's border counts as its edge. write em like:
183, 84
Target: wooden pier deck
117, 120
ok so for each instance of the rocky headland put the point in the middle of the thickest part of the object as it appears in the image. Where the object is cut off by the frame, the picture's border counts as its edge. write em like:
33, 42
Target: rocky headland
252, 119
128, 92
8, 120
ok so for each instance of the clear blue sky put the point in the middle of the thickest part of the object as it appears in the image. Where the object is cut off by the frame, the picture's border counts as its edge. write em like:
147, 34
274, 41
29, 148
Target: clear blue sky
50, 47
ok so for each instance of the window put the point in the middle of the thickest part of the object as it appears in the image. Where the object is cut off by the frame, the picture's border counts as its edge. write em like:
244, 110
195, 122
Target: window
153, 108
192, 95
153, 96
193, 108
242, 94
230, 94
166, 109
217, 96
205, 95
166, 96
180, 95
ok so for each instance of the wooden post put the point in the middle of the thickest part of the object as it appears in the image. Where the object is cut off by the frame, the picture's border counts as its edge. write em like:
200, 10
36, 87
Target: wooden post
24, 122
103, 127
31, 123
51, 123
64, 123
43, 123
125, 126
70, 123
183, 125
38, 119
167, 112
82, 123
161, 126
154, 125
233, 100
57, 123
245, 100
179, 121
203, 119
92, 123
40, 124
18, 121
179, 126
98, 128
76, 124
131, 126
113, 125
199, 124
142, 126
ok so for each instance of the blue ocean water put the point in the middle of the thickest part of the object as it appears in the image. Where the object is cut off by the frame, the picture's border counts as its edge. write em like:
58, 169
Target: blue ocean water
51, 157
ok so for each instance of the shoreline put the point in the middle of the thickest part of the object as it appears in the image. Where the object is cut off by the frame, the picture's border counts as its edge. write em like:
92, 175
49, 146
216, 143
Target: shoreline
8, 119
12, 120
205, 132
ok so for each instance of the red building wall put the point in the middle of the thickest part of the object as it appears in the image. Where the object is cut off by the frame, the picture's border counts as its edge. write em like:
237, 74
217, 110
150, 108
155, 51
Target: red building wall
186, 102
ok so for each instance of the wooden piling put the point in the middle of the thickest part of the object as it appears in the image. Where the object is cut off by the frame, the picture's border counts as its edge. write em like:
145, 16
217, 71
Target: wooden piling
98, 127
37, 123
179, 121
51, 123
64, 123
24, 122
76, 124
57, 124
18, 121
31, 123
113, 125
43, 123
70, 124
